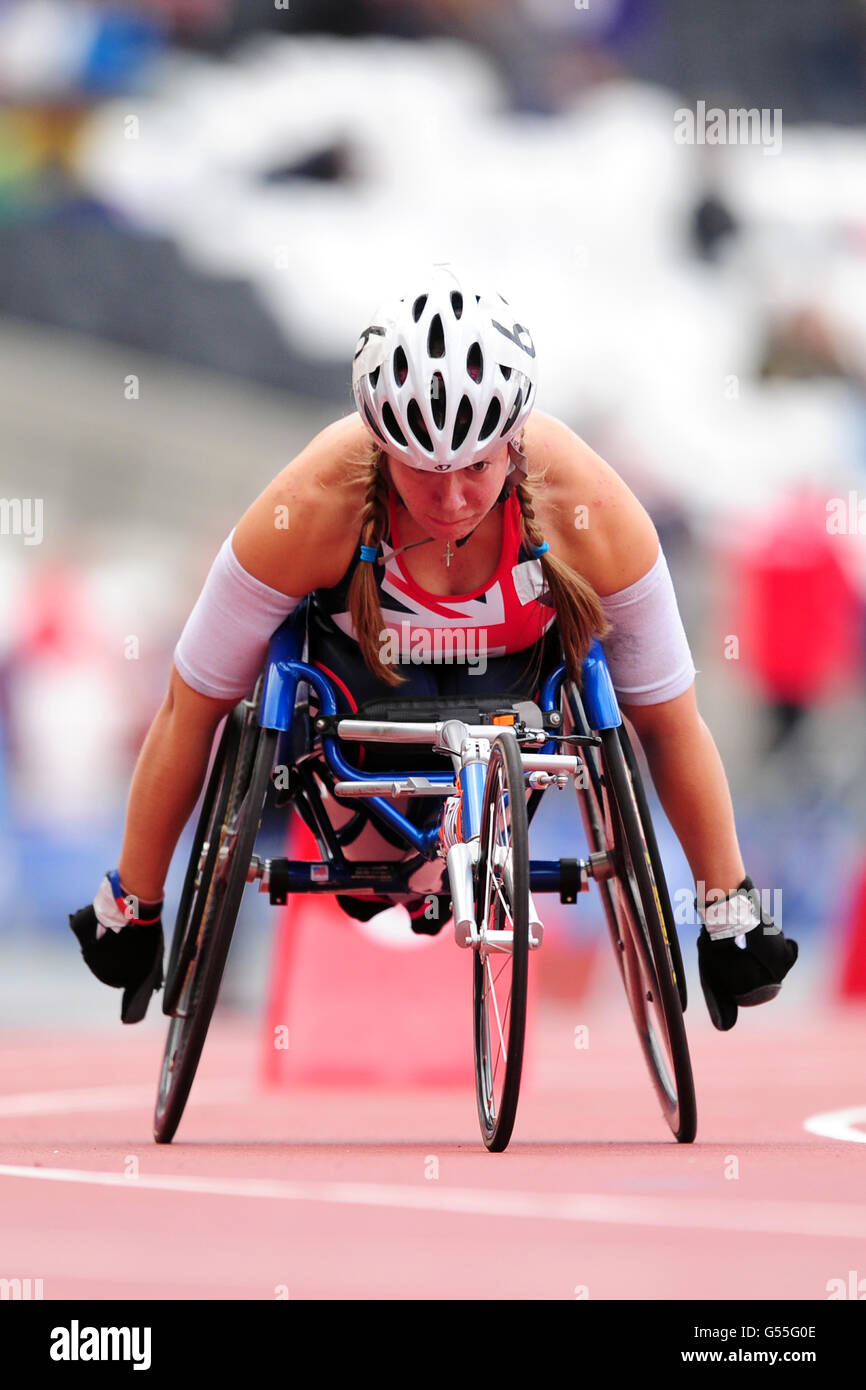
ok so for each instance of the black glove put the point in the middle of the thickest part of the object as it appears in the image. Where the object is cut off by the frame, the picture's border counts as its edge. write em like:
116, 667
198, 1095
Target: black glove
130, 959
734, 975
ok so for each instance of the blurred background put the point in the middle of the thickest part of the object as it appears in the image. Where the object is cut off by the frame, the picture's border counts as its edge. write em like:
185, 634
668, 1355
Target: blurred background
201, 203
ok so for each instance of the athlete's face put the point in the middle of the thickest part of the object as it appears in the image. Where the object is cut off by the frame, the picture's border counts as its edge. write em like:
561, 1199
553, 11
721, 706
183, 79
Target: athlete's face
450, 505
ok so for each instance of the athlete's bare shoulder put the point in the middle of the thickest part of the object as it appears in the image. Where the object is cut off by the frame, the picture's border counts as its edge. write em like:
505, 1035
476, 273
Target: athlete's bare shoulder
300, 533
591, 517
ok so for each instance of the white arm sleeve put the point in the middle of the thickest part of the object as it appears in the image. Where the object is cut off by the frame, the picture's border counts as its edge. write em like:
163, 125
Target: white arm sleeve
223, 645
647, 652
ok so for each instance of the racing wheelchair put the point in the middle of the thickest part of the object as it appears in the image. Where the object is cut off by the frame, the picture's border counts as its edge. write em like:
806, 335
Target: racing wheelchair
288, 741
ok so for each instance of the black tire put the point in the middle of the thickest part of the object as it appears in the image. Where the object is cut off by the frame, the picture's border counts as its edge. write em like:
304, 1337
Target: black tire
500, 907
198, 873
656, 866
235, 798
616, 819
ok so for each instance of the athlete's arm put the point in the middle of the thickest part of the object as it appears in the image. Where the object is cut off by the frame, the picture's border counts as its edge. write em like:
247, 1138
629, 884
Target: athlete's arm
591, 518
300, 533
225, 638
615, 548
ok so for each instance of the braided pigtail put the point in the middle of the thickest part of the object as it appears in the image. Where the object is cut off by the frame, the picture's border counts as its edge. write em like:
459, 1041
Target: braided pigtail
363, 597
579, 613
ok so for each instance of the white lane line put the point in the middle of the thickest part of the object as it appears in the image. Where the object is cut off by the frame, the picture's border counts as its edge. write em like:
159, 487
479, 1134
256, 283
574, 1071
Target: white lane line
839, 1124
110, 1098
783, 1218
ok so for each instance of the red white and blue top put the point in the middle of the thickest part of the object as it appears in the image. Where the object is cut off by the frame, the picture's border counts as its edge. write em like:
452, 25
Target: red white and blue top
507, 614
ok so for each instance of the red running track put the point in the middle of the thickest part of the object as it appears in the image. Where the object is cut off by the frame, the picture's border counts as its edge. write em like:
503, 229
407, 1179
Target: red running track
357, 1194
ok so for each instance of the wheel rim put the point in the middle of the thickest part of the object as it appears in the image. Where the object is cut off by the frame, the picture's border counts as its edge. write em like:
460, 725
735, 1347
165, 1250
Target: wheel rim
500, 970
495, 957
170, 1059
193, 904
655, 1029
197, 992
642, 987
627, 925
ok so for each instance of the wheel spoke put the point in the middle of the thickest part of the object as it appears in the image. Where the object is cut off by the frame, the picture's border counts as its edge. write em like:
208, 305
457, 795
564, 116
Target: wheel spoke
491, 992
503, 967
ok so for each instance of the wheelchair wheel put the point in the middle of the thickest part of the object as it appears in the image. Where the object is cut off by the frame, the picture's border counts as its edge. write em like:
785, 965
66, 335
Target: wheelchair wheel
656, 865
216, 877
502, 955
199, 870
614, 810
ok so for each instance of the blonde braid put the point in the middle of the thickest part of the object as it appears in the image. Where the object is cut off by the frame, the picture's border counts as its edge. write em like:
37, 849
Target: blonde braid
579, 614
363, 597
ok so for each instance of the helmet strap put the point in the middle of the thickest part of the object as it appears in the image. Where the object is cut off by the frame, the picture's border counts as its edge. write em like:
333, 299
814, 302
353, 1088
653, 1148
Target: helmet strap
518, 462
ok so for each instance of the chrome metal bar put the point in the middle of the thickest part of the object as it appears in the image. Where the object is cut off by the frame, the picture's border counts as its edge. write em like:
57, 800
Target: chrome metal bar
459, 860
599, 865
373, 730
555, 762
395, 786
260, 869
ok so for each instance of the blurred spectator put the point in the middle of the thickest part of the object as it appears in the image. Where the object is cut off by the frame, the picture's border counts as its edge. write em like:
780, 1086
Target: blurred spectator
798, 614
713, 224
52, 49
805, 344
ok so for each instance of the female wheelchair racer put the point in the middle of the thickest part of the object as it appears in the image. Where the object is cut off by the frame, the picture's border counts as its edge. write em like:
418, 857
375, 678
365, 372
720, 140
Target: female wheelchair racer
445, 510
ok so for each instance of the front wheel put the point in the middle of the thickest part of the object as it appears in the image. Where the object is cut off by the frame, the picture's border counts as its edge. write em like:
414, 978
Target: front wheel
502, 952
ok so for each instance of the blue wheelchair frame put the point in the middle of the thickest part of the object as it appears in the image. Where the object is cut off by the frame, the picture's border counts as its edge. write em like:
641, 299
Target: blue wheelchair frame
285, 670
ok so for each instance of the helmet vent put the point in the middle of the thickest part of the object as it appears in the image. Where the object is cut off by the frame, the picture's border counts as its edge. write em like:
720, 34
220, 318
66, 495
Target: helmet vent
418, 307
391, 425
457, 303
374, 378
515, 411
491, 419
506, 371
462, 423
436, 338
475, 362
438, 401
417, 426
401, 366
372, 423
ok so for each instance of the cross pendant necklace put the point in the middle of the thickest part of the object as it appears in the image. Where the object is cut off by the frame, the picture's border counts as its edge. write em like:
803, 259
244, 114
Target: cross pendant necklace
447, 555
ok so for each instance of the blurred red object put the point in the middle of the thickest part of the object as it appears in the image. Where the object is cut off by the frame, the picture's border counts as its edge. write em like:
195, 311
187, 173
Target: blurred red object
345, 1009
852, 984
54, 619
797, 611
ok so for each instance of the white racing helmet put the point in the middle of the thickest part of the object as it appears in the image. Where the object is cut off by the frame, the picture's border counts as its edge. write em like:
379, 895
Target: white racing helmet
444, 377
